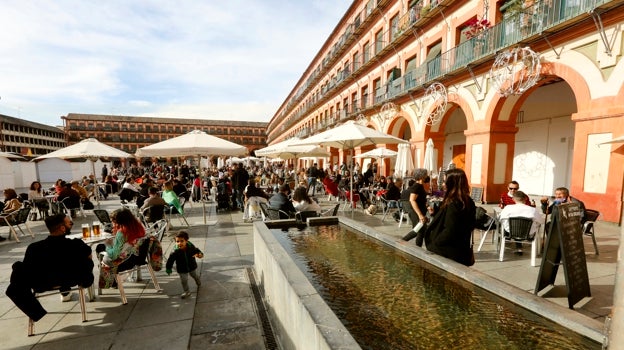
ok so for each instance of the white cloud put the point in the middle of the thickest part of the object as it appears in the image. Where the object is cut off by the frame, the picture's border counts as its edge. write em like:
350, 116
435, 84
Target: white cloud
233, 59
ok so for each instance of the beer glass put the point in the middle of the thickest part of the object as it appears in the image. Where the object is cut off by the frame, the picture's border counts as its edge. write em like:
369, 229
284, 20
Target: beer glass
86, 232
96, 228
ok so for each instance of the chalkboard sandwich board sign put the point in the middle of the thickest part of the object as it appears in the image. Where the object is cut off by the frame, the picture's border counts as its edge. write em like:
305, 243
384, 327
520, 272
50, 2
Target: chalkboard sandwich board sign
564, 245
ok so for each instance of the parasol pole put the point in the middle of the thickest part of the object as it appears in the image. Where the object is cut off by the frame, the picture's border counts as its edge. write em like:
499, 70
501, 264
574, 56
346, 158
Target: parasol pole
201, 188
95, 185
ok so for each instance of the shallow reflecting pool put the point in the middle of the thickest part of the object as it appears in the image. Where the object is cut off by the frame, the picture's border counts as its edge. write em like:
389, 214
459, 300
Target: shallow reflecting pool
389, 300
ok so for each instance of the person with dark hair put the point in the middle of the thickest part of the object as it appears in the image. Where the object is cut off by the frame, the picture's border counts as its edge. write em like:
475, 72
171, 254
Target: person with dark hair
418, 206
507, 197
183, 255
303, 202
55, 262
11, 201
128, 230
37, 196
450, 230
281, 202
520, 209
240, 179
153, 200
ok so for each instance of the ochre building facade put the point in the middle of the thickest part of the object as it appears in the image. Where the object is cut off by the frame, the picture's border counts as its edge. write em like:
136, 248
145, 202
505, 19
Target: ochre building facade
525, 90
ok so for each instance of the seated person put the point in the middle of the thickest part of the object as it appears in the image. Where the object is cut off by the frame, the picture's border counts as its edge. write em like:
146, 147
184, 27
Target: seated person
36, 195
11, 201
53, 263
112, 185
281, 202
394, 190
153, 200
520, 209
129, 190
507, 197
562, 195
72, 203
171, 198
123, 247
180, 189
253, 196
303, 202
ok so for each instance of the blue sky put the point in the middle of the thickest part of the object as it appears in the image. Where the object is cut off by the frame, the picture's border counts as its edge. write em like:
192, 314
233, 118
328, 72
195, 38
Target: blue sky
234, 59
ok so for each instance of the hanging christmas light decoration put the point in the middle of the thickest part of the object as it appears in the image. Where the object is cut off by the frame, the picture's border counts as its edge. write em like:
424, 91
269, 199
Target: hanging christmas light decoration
438, 97
515, 71
388, 111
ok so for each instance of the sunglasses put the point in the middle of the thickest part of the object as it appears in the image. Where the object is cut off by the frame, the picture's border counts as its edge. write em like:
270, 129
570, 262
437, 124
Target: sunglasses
512, 188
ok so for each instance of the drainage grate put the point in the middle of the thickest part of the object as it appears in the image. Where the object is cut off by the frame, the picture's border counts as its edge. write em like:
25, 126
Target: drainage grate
269, 337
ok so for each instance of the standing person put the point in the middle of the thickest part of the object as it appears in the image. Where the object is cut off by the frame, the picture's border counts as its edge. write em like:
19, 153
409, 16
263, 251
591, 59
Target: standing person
451, 229
312, 174
240, 179
183, 256
520, 209
507, 197
104, 173
55, 262
418, 206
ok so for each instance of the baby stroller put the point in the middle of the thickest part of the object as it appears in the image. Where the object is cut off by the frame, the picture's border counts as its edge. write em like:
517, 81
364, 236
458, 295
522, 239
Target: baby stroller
223, 196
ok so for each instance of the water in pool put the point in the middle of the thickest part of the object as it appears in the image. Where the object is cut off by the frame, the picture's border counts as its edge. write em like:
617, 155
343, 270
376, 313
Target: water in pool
388, 300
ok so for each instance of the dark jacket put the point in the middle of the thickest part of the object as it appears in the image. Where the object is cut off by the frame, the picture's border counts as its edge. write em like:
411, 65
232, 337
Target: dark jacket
281, 202
450, 232
184, 259
51, 263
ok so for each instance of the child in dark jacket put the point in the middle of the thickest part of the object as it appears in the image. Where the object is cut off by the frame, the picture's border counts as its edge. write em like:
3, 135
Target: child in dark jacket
184, 256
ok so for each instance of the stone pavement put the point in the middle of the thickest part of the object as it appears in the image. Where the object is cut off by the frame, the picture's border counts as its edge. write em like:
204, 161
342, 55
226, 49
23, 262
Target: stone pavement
223, 313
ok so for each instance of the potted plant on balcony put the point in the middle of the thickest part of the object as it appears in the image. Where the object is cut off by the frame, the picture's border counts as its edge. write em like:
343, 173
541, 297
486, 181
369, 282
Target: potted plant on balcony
476, 32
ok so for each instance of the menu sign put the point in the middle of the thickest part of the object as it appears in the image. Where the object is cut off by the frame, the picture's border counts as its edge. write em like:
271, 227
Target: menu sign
564, 246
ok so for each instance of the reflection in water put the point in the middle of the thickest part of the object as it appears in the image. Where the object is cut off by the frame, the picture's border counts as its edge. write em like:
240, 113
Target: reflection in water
388, 300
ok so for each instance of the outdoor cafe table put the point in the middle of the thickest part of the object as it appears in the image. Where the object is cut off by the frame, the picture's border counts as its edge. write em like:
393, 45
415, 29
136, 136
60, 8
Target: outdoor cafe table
92, 241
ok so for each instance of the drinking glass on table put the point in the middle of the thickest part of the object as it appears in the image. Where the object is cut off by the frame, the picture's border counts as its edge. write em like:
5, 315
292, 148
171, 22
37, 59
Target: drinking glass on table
86, 232
96, 228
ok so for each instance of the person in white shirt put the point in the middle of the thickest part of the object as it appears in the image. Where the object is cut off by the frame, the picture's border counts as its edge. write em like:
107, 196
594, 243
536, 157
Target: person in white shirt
519, 209
302, 201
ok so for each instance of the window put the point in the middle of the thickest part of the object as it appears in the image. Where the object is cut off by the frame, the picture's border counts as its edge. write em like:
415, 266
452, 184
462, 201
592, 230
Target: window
394, 27
379, 44
366, 52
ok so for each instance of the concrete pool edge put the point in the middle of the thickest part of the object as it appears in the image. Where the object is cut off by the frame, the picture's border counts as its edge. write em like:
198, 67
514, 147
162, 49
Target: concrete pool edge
565, 317
298, 313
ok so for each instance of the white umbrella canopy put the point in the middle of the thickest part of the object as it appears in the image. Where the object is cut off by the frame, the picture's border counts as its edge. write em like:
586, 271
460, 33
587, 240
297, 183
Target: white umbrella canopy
378, 153
430, 162
404, 164
195, 143
192, 143
90, 149
269, 150
291, 152
348, 136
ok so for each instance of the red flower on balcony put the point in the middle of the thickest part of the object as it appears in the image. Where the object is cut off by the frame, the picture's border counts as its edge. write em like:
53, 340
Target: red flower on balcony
476, 26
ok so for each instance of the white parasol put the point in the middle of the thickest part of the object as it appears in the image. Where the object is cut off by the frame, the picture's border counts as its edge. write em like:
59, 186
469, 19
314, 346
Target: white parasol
195, 143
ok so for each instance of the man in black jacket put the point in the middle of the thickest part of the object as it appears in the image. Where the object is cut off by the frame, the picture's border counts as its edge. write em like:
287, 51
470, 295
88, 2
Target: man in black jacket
240, 179
53, 263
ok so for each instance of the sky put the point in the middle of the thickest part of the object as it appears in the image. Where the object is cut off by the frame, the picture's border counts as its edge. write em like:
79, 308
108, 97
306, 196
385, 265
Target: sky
223, 60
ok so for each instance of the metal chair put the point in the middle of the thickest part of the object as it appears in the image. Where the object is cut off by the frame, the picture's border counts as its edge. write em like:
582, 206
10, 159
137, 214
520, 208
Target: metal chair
588, 226
269, 214
302, 216
485, 224
71, 203
15, 220
405, 206
172, 210
387, 206
134, 264
104, 219
81, 299
331, 211
520, 231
